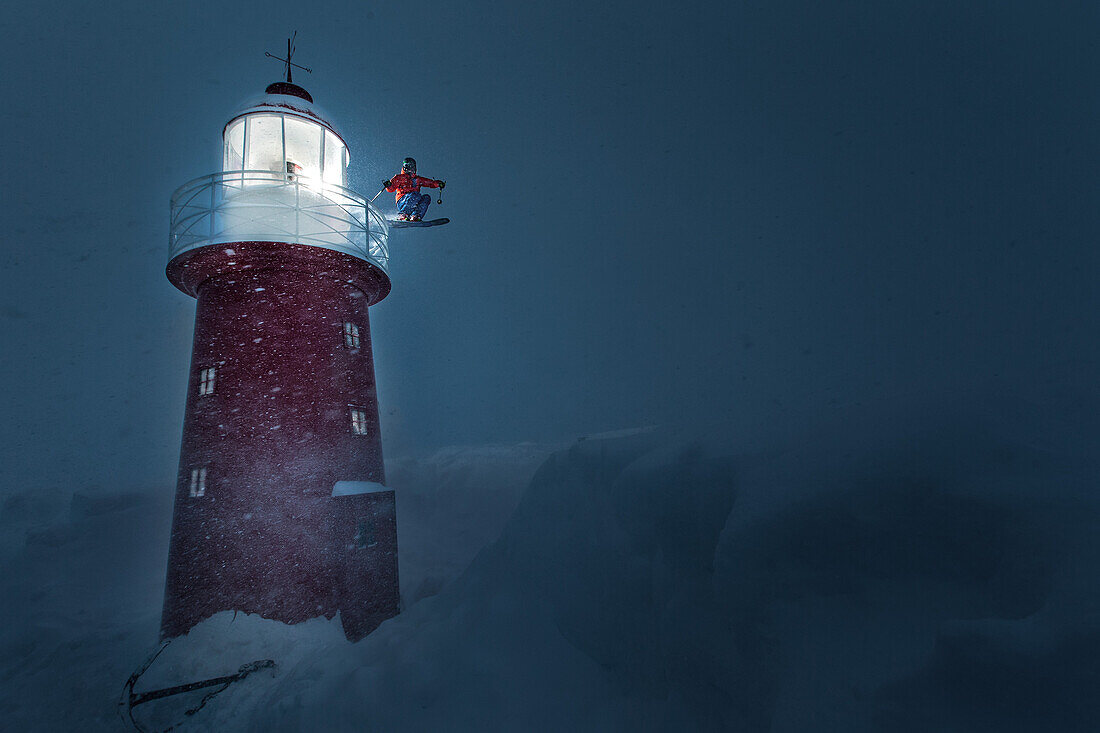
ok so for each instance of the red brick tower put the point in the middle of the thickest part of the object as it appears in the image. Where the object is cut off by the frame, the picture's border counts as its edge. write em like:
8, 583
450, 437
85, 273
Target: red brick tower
281, 508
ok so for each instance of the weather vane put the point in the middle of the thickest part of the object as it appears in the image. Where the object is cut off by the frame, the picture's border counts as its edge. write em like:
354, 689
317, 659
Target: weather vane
289, 53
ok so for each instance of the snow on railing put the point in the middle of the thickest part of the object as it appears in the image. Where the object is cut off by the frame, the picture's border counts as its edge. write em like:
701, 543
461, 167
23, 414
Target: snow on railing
240, 206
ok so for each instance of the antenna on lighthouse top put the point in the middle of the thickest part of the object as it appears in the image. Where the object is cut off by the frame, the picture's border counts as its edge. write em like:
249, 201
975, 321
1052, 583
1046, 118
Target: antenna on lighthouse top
290, 47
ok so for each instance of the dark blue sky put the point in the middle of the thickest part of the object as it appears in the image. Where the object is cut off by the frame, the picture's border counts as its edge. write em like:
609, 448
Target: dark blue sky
721, 215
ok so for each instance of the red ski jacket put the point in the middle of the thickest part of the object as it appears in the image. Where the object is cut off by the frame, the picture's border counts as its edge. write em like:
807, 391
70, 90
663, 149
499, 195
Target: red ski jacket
404, 183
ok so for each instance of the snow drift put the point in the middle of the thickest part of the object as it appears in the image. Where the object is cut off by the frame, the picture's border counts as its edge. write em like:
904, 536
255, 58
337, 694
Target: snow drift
932, 578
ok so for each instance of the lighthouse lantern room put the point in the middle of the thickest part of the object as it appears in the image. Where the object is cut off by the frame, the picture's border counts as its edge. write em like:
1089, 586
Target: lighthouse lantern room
281, 507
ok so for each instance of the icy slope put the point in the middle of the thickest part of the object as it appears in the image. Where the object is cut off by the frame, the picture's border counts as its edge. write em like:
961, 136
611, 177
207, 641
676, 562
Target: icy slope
453, 503
81, 586
930, 580
920, 578
82, 581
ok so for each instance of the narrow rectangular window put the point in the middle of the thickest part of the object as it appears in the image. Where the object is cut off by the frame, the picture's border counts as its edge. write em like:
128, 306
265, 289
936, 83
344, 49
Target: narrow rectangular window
206, 381
198, 481
358, 421
351, 335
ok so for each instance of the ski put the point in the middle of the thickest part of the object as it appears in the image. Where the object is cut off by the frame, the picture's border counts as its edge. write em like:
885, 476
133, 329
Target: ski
402, 224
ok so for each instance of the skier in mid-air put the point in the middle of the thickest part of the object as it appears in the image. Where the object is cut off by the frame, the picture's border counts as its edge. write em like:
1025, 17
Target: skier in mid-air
411, 204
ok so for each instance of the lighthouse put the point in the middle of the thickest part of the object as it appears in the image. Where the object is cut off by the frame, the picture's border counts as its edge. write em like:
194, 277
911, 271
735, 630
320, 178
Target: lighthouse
281, 507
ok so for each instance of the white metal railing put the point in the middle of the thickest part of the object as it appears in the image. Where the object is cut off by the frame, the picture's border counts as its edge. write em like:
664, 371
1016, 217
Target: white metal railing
237, 206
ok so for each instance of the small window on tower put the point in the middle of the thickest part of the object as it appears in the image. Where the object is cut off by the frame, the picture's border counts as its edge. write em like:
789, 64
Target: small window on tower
358, 421
206, 381
351, 335
198, 481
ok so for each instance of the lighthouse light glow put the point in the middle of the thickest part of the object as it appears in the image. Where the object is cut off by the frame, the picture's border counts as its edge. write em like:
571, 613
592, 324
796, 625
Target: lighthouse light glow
268, 141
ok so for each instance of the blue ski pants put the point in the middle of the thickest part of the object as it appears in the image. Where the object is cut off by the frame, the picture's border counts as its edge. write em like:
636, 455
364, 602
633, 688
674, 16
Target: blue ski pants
414, 204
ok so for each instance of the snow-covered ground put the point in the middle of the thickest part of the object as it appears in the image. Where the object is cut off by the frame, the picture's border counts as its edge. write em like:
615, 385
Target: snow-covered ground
928, 576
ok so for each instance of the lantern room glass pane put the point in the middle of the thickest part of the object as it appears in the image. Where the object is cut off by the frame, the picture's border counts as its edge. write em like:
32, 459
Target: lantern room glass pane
335, 170
265, 143
303, 147
234, 146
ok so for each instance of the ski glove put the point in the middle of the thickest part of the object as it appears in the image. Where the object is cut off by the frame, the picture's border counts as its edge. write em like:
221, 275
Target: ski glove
385, 184
442, 184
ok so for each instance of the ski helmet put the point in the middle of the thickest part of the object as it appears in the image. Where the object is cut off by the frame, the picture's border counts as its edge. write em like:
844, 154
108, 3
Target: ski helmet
408, 164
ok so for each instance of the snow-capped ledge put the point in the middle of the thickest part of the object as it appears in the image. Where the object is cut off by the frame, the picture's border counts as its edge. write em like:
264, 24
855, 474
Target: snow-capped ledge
351, 488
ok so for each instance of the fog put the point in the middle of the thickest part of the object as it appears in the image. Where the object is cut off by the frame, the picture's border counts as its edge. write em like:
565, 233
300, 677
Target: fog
732, 219
816, 283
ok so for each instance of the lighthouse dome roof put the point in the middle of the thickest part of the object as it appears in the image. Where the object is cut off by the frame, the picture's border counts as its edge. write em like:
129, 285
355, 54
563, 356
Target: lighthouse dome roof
286, 98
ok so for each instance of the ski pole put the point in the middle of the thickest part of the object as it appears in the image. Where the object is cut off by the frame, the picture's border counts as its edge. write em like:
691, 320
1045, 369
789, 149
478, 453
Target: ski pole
377, 195
440, 199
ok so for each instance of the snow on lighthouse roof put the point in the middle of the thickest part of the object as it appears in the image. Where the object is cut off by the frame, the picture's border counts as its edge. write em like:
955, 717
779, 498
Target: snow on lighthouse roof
287, 98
